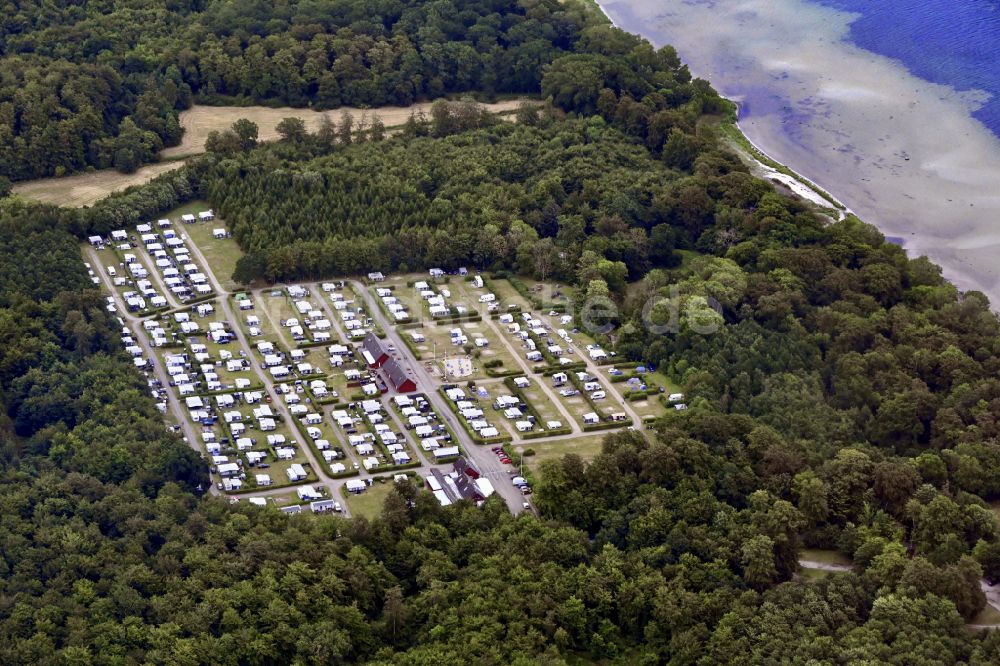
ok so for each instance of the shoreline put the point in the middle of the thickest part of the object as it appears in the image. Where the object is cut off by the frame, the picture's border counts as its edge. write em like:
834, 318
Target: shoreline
906, 153
783, 169
776, 168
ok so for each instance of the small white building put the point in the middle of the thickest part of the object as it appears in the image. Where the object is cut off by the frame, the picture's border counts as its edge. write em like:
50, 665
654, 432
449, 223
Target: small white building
308, 493
445, 452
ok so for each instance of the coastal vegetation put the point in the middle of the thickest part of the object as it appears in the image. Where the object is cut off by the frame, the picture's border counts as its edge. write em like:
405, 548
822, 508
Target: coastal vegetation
840, 395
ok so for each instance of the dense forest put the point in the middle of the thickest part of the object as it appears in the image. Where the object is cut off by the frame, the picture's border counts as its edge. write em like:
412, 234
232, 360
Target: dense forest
846, 397
99, 84
674, 548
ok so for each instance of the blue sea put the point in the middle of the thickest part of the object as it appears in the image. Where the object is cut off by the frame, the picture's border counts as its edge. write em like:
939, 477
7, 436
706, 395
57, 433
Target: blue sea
891, 105
950, 42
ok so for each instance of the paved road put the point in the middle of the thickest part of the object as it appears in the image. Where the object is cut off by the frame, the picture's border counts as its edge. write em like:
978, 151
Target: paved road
484, 459
595, 370
155, 276
518, 355
277, 401
139, 335
992, 593
334, 485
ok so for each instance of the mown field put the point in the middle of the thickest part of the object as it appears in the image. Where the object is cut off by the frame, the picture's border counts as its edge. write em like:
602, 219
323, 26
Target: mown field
87, 188
198, 121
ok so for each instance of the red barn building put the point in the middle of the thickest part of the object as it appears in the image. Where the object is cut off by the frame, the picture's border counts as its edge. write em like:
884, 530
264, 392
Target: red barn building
371, 350
398, 377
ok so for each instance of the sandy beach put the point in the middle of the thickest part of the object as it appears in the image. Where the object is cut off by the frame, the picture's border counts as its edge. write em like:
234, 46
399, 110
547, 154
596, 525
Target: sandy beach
903, 153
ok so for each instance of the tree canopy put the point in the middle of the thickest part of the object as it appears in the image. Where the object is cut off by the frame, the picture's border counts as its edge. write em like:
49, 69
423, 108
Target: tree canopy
840, 395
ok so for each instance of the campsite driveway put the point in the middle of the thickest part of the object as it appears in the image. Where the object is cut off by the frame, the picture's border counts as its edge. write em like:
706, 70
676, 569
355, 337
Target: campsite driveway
134, 324
484, 459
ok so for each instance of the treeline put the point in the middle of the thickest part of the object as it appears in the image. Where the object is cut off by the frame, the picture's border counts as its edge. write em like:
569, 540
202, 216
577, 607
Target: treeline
486, 198
72, 399
85, 85
316, 205
840, 396
696, 515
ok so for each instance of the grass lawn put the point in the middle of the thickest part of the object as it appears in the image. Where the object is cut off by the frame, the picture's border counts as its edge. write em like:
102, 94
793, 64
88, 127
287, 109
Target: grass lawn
284, 499
220, 253
493, 388
825, 556
109, 257
585, 446
317, 357
549, 293
661, 379
199, 120
336, 381
267, 331
577, 405
649, 407
541, 402
87, 188
369, 503
441, 335
816, 574
507, 295
988, 615
273, 310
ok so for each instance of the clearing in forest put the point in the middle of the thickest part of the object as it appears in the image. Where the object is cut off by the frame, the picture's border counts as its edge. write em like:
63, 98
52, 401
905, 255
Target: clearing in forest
199, 120
87, 188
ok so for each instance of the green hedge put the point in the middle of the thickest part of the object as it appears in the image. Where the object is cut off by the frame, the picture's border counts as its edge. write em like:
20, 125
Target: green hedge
457, 318
412, 346
572, 367
493, 372
515, 461
608, 425
565, 430
345, 474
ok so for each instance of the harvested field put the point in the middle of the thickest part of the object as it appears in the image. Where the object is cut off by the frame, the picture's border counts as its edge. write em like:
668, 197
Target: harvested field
87, 188
199, 120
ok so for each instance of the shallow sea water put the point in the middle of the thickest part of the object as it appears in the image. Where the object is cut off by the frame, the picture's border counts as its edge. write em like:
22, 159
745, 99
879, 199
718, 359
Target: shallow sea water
905, 153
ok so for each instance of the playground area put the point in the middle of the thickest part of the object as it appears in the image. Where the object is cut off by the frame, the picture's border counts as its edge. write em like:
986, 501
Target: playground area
457, 367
